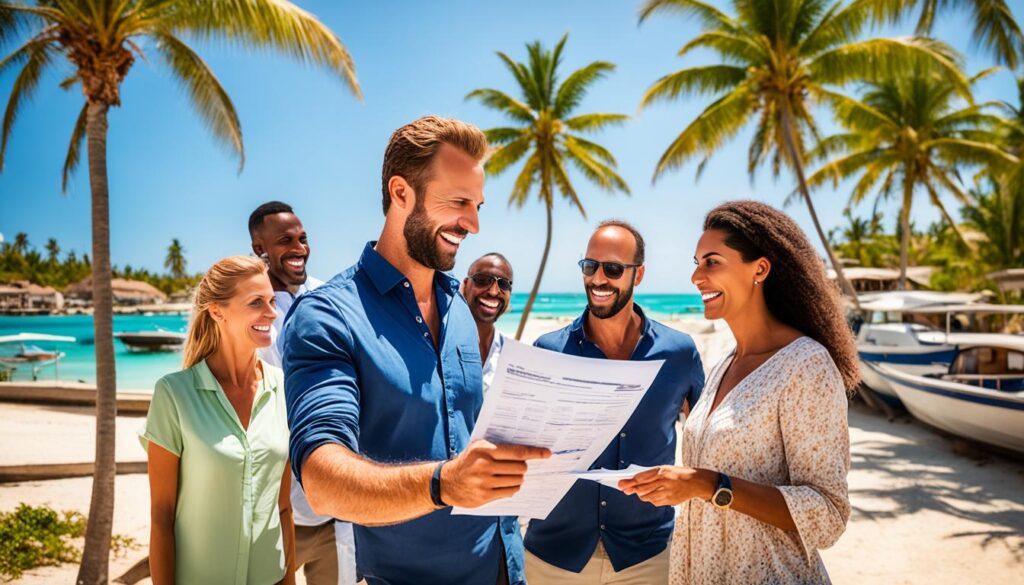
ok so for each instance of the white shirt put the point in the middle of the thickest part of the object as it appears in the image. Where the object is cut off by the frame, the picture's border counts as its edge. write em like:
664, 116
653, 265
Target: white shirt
492, 358
302, 513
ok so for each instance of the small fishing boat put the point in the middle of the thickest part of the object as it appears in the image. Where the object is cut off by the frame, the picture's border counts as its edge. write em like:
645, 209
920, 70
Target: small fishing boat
148, 341
916, 348
32, 354
980, 397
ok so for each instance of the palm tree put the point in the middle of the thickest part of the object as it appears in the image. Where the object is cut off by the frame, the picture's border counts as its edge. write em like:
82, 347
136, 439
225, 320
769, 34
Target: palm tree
995, 28
101, 40
911, 133
779, 58
20, 244
175, 261
52, 251
546, 133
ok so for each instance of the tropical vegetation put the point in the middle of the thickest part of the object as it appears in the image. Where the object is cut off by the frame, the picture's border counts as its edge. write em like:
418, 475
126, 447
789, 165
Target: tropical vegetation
101, 40
911, 134
20, 260
548, 132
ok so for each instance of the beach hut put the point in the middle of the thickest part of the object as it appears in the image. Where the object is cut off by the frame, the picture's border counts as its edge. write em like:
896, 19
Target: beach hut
885, 279
1009, 280
21, 297
126, 292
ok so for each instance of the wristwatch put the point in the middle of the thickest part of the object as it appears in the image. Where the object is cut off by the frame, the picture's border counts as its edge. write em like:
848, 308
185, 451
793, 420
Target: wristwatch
722, 497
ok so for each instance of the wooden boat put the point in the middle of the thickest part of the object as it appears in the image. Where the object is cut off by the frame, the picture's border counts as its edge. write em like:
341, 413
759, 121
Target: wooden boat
31, 354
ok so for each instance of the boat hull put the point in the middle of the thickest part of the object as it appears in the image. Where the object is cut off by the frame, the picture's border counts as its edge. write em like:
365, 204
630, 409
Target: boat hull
989, 416
918, 361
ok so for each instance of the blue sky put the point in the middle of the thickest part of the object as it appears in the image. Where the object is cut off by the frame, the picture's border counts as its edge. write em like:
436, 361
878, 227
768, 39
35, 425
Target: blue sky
310, 143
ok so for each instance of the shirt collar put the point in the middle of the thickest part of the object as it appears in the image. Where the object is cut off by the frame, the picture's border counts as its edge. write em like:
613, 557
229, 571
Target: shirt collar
386, 277
203, 378
576, 329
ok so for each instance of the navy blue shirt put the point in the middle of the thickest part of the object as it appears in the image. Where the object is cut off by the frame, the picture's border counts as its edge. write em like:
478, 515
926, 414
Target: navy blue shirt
632, 531
361, 370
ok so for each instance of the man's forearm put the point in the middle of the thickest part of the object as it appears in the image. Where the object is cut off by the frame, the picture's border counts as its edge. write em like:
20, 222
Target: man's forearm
344, 485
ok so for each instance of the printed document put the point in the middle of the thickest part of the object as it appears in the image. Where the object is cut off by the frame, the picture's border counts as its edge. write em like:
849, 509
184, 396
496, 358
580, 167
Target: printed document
572, 405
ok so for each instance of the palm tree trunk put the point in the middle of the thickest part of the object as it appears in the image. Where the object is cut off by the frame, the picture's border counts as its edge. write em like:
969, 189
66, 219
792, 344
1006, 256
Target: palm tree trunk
796, 157
908, 196
96, 556
540, 273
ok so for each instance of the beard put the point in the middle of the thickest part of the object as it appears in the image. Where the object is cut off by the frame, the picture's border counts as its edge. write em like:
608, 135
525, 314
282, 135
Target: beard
286, 275
622, 299
421, 241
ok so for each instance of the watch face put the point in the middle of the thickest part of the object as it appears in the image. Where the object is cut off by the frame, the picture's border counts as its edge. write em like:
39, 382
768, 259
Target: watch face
723, 497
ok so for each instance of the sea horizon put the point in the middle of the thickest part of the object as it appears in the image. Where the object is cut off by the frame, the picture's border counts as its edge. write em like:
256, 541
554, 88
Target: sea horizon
140, 371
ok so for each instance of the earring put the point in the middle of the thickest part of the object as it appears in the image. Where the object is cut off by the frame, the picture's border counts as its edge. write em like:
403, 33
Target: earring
757, 282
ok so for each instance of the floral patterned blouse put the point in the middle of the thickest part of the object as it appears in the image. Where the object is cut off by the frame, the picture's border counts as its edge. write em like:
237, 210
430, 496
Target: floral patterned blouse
783, 425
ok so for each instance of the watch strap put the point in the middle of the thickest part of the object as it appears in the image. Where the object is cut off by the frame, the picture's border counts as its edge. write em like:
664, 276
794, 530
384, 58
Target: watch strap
435, 486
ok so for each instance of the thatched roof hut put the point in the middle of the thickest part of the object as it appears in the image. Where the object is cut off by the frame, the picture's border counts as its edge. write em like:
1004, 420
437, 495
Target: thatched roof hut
126, 292
22, 294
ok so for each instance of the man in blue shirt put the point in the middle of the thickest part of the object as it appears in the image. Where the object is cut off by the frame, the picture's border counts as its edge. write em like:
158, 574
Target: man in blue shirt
383, 381
597, 534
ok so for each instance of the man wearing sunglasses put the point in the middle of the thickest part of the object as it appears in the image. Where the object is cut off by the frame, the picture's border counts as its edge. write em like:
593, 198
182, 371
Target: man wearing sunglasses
597, 534
488, 292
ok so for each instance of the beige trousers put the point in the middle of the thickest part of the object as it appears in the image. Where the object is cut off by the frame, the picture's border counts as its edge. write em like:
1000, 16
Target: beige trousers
599, 571
317, 554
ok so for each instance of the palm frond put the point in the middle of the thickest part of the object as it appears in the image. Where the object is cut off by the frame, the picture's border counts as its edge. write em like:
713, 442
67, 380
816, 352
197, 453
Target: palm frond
505, 156
594, 122
854, 113
531, 93
997, 30
594, 170
838, 25
506, 104
709, 79
572, 90
37, 59
565, 186
593, 148
734, 47
499, 136
207, 95
525, 180
262, 24
709, 16
718, 122
75, 147
892, 58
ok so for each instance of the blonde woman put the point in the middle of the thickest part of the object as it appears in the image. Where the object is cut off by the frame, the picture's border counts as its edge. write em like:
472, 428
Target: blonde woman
766, 449
217, 441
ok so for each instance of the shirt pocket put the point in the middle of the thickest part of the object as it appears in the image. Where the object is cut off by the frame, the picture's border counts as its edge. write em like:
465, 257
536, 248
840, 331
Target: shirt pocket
472, 369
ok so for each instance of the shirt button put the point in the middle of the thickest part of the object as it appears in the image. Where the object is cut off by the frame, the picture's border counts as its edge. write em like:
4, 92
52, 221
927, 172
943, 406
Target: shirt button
450, 412
604, 503
405, 284
622, 461
419, 319
426, 334
602, 527
622, 435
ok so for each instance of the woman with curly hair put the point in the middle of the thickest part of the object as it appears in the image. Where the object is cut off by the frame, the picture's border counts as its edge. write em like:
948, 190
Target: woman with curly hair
766, 451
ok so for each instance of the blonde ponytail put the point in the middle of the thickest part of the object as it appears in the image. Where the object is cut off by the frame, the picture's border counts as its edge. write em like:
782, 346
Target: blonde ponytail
217, 287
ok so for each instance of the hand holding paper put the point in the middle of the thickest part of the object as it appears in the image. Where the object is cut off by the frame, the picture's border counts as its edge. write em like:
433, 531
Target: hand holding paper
570, 405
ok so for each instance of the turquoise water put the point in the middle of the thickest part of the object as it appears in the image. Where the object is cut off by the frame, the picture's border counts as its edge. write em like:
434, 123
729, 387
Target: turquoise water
139, 371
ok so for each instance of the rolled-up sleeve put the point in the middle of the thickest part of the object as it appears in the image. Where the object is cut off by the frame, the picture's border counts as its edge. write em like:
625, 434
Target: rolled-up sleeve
320, 379
816, 438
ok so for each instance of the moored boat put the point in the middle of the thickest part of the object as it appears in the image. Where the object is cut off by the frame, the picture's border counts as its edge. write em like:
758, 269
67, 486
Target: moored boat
145, 341
980, 397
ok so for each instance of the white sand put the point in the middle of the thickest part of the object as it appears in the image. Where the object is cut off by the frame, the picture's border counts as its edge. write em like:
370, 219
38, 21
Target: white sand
923, 512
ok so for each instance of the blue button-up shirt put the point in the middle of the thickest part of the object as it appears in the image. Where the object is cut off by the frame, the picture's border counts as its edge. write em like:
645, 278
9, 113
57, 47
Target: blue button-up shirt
632, 531
361, 370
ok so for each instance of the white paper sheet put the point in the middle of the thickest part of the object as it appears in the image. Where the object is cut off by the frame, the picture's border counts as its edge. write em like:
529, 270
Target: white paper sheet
611, 477
574, 406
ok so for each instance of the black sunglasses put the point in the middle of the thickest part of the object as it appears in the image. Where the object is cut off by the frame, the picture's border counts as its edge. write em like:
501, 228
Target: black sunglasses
612, 270
484, 280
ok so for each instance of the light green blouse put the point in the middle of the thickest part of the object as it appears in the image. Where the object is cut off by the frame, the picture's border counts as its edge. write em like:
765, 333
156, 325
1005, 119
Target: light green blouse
227, 526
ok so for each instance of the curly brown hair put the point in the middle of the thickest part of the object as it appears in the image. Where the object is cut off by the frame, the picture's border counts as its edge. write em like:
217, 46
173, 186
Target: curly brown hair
797, 291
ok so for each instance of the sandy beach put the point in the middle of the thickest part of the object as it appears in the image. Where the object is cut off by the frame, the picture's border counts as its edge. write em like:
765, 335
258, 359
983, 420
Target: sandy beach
927, 508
